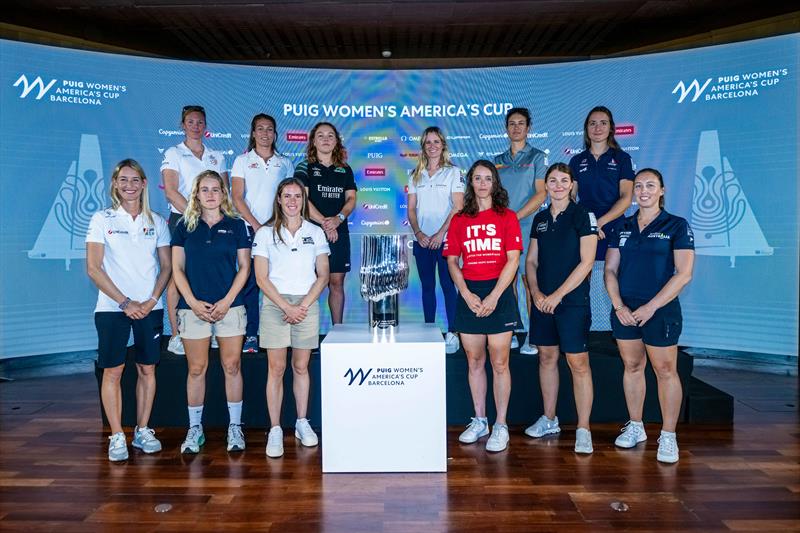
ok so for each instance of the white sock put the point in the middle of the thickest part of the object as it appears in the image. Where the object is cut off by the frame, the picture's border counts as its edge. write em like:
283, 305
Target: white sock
668, 433
235, 412
195, 415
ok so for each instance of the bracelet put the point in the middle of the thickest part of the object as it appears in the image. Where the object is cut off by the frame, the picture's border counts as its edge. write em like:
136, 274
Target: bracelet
124, 305
154, 299
617, 308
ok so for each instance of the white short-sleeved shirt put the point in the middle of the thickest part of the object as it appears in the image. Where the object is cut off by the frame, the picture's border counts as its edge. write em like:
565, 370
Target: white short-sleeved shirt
292, 263
434, 196
181, 159
261, 180
130, 255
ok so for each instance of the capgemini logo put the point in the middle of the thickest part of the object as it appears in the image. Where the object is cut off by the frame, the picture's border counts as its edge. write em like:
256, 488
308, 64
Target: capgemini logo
357, 375
694, 86
27, 86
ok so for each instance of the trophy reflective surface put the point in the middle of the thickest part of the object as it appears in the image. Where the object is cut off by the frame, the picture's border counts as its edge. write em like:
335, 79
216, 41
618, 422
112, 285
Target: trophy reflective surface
383, 274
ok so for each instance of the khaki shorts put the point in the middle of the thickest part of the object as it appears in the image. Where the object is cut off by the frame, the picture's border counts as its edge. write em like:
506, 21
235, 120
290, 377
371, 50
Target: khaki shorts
273, 332
190, 327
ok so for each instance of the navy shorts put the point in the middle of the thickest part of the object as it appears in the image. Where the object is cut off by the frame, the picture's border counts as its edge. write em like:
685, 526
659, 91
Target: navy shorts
339, 260
567, 328
504, 318
663, 328
113, 332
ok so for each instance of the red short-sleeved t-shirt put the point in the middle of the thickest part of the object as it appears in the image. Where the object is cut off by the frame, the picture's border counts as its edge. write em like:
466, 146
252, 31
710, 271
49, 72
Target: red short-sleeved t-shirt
483, 241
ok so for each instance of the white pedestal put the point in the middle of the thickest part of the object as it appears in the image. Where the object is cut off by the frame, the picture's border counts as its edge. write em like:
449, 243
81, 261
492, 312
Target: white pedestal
383, 403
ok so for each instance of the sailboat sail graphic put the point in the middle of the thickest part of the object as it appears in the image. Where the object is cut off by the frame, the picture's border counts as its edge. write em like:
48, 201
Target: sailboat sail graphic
722, 220
79, 197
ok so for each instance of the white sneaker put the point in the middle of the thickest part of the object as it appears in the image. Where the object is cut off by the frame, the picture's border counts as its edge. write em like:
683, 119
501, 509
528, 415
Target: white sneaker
275, 442
667, 448
632, 434
498, 441
194, 439
583, 441
514, 342
117, 447
477, 428
176, 345
145, 439
451, 343
235, 438
303, 431
543, 426
528, 349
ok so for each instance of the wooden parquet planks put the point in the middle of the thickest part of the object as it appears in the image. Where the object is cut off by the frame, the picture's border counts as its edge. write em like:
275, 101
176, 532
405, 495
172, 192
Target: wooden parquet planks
54, 476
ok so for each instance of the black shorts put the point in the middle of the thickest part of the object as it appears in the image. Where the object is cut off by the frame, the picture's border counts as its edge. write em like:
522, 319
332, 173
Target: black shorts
113, 332
567, 328
504, 318
339, 260
172, 223
663, 328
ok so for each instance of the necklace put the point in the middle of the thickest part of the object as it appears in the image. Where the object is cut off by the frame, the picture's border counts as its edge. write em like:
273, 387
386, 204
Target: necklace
644, 223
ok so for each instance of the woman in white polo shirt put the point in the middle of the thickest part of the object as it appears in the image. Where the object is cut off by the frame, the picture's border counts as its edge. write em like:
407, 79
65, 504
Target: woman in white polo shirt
128, 259
435, 194
254, 179
291, 261
181, 164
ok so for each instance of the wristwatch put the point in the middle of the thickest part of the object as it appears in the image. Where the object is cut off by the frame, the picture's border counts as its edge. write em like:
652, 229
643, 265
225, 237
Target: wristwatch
341, 217
124, 304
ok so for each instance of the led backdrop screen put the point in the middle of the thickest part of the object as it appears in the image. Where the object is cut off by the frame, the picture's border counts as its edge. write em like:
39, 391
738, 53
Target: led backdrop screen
719, 122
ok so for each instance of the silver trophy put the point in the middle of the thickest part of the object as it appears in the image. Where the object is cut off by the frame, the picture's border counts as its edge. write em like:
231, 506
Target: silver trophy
384, 273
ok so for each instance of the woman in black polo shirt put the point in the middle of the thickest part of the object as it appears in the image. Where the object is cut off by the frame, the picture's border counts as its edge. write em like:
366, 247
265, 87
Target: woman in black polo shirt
331, 190
210, 264
560, 259
649, 261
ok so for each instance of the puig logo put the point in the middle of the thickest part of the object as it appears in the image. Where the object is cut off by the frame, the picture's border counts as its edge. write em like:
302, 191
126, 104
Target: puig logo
357, 375
27, 87
694, 86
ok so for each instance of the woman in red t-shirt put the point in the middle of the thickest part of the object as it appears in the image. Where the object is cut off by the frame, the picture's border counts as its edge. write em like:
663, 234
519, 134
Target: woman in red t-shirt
485, 236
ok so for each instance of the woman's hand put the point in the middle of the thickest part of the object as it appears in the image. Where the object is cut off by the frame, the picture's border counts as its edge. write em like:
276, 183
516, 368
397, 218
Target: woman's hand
331, 235
625, 316
139, 310
423, 239
643, 314
550, 303
202, 310
538, 299
294, 314
435, 241
331, 223
220, 309
488, 305
473, 302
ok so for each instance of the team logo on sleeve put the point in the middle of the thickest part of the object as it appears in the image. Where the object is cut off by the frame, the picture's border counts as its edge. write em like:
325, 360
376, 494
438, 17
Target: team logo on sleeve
690, 233
592, 221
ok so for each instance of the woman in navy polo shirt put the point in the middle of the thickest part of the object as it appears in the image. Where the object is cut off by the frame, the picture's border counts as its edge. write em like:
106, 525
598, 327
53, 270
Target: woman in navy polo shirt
435, 194
331, 189
604, 181
210, 263
482, 249
291, 261
560, 258
649, 261
128, 259
254, 179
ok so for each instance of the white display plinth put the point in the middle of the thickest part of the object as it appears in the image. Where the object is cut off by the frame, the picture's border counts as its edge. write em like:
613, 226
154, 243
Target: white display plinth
383, 403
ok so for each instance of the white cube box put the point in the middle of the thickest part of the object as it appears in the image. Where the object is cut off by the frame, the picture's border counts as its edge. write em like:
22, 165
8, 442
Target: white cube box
383, 400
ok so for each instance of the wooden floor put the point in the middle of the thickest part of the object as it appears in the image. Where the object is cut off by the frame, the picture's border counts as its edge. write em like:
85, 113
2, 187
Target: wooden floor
54, 475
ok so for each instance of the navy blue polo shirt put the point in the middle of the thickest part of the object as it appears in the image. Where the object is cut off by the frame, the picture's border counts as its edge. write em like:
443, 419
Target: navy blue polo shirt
598, 183
559, 244
646, 259
211, 257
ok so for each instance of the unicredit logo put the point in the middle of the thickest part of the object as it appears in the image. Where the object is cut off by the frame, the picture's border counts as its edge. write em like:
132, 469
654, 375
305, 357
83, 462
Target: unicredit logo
375, 206
297, 136
217, 135
375, 171
625, 129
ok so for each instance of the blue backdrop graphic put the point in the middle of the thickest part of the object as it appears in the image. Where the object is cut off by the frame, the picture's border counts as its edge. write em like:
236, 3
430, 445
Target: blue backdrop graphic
720, 122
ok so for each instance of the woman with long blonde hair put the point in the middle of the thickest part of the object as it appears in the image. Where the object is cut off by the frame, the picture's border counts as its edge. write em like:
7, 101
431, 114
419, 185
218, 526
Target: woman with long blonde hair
211, 262
128, 259
435, 194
